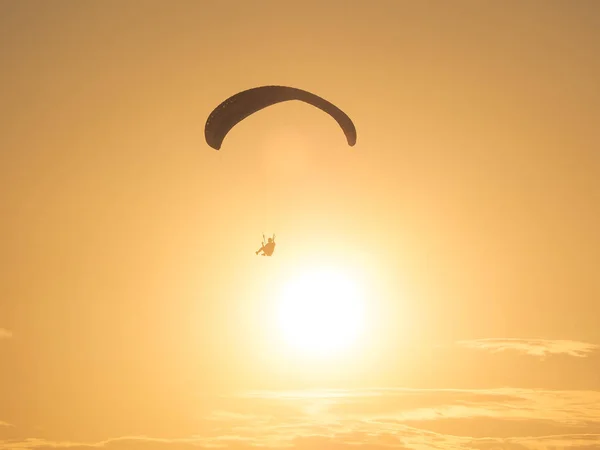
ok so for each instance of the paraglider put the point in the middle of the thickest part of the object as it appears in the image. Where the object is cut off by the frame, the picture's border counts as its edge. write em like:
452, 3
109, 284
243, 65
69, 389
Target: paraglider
243, 104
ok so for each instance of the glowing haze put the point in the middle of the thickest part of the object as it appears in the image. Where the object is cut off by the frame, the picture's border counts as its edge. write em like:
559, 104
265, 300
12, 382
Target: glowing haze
434, 286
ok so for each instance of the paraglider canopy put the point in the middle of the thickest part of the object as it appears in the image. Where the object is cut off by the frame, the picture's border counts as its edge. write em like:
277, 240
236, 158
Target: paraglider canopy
243, 104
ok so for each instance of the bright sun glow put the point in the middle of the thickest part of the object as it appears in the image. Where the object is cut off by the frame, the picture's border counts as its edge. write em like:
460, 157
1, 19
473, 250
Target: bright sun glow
321, 312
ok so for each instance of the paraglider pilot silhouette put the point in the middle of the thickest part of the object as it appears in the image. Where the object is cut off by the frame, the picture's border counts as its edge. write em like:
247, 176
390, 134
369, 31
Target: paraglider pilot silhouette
267, 248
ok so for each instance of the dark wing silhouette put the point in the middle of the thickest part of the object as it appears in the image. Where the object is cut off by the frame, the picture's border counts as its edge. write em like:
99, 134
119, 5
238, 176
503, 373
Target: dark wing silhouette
241, 105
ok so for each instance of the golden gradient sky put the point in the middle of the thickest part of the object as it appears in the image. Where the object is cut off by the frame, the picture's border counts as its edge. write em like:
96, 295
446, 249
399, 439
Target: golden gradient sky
133, 311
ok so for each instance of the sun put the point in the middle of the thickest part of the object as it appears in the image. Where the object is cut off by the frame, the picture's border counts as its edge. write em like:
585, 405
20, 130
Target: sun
321, 312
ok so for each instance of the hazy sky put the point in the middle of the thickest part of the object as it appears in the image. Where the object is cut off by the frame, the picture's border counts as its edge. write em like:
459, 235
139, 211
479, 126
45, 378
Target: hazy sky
134, 313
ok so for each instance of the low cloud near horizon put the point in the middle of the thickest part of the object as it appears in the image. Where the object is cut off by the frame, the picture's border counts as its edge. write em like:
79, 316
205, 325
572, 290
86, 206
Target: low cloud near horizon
418, 419
5, 334
533, 347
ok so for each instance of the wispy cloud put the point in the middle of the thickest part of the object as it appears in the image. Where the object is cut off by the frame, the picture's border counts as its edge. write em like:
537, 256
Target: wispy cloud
379, 419
5, 424
416, 419
5, 334
533, 347
410, 439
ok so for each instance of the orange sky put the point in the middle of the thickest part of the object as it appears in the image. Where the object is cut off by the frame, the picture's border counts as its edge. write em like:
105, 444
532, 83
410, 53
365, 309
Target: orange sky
132, 303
